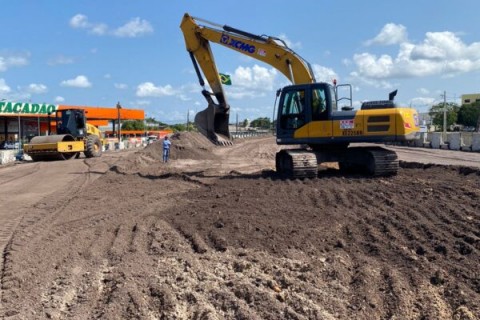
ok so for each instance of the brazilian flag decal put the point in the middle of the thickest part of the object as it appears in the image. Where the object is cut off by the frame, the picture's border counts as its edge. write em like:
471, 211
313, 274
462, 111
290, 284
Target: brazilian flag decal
225, 79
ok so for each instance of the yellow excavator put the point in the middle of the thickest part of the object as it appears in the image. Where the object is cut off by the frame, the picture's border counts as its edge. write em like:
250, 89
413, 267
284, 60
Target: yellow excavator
309, 112
73, 136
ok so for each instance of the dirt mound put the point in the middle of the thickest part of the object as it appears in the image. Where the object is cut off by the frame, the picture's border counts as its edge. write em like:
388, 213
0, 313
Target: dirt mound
185, 145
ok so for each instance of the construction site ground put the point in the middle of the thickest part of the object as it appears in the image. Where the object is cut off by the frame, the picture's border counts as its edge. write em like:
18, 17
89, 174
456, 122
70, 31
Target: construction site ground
216, 234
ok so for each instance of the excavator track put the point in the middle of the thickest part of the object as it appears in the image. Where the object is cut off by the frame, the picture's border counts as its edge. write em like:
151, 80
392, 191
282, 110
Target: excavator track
296, 164
385, 162
374, 161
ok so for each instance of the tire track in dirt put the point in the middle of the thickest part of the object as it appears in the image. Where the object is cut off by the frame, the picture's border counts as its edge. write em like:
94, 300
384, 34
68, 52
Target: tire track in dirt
177, 242
28, 226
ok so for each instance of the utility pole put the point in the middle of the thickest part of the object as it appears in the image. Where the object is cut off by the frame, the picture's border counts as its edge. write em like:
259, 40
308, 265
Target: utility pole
444, 112
119, 106
188, 119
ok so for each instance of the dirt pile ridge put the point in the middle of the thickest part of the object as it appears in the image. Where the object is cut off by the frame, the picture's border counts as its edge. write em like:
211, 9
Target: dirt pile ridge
215, 234
185, 145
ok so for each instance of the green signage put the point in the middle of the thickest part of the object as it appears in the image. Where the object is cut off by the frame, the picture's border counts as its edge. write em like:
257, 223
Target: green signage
8, 107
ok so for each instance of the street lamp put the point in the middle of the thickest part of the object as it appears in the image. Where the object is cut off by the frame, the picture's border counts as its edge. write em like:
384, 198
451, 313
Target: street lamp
119, 125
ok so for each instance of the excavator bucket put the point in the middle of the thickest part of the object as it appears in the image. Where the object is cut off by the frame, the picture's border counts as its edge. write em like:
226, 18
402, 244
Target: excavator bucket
213, 123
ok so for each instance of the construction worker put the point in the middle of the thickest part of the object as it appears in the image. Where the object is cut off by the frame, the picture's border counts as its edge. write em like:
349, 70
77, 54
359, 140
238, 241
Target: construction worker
166, 149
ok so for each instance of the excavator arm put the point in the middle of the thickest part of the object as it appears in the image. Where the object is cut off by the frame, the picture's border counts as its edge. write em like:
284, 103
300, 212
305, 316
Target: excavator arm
213, 121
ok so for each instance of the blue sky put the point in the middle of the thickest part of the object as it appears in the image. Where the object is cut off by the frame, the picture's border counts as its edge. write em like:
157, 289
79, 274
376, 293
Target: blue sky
96, 53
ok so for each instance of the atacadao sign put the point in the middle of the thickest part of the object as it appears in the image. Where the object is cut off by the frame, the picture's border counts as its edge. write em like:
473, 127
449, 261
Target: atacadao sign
8, 107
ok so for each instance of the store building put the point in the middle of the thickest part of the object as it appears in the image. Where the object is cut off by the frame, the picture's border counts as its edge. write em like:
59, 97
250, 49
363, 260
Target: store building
19, 121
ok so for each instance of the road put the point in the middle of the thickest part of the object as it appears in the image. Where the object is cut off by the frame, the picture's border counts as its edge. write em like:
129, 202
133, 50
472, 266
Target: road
26, 184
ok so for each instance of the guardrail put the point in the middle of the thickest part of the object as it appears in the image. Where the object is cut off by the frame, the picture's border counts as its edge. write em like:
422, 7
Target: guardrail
249, 134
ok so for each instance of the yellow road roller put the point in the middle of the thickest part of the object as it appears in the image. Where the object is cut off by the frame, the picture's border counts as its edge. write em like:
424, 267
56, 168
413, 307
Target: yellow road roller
73, 136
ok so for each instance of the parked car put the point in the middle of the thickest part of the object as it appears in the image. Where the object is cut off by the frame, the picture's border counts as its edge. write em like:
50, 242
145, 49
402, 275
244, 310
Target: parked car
469, 129
9, 145
152, 139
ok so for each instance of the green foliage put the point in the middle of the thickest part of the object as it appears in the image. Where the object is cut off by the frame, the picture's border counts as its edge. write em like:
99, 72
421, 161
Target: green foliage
150, 120
178, 127
468, 114
436, 113
133, 125
183, 127
261, 123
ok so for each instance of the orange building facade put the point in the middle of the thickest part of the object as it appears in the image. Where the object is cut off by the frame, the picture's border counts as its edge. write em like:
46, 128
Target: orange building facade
21, 121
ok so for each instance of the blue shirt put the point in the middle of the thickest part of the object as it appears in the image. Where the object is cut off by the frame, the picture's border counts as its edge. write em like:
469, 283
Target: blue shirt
166, 144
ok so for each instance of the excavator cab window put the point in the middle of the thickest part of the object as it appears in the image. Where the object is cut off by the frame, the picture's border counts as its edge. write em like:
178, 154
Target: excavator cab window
319, 104
292, 110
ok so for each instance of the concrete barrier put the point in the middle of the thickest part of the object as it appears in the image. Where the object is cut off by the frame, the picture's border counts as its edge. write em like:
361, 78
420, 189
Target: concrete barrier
455, 141
476, 142
7, 156
421, 140
437, 140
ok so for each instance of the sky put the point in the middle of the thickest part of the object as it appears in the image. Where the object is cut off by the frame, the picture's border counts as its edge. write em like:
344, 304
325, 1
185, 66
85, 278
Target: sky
98, 53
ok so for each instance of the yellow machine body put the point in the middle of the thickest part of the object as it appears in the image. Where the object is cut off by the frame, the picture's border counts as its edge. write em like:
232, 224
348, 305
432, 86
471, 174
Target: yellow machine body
78, 136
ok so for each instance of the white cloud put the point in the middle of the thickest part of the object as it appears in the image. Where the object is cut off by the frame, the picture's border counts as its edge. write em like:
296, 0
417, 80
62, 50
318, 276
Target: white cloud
59, 99
423, 91
148, 89
324, 74
255, 78
134, 28
142, 102
422, 101
289, 43
60, 60
4, 88
390, 34
36, 88
251, 82
79, 21
376, 83
78, 82
12, 61
440, 53
121, 86
99, 29
373, 67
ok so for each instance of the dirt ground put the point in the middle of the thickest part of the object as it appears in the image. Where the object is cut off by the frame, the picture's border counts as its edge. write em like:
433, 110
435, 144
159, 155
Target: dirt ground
215, 234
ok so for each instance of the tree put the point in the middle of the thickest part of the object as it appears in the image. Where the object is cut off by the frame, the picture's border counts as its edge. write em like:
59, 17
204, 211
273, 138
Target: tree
468, 114
261, 123
436, 113
178, 127
133, 125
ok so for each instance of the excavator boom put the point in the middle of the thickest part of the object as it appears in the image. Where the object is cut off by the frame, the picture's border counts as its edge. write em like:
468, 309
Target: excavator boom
213, 121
